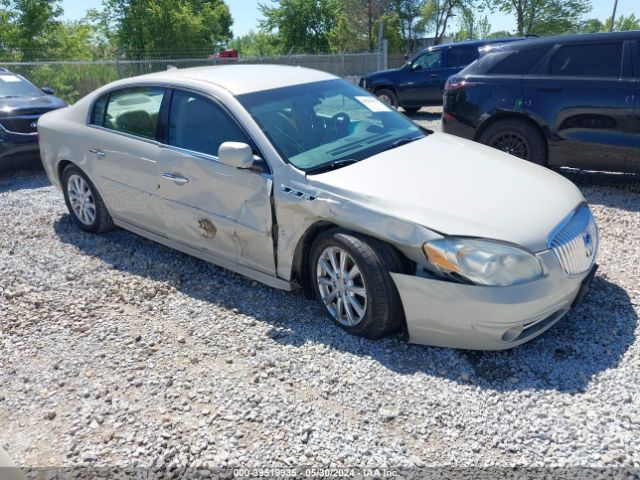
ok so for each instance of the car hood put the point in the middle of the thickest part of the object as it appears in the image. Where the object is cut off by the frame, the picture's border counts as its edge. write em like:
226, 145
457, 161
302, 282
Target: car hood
29, 105
457, 187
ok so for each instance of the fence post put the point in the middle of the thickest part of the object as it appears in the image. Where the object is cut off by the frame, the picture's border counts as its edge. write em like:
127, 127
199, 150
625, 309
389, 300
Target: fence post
385, 54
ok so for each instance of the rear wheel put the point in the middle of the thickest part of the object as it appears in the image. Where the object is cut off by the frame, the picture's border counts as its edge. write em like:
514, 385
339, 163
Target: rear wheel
516, 137
387, 96
351, 277
85, 205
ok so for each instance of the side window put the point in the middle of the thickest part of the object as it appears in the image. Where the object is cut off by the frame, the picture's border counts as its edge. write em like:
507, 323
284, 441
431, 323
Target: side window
134, 111
199, 124
520, 62
461, 56
99, 108
593, 60
428, 60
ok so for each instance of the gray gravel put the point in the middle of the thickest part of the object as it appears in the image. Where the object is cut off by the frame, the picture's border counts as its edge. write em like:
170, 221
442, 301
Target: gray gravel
117, 351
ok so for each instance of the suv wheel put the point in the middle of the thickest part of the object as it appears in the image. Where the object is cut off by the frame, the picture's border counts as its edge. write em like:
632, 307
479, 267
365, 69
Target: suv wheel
387, 96
516, 137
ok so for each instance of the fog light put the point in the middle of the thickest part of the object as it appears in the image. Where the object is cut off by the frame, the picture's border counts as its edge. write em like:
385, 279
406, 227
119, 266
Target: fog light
511, 334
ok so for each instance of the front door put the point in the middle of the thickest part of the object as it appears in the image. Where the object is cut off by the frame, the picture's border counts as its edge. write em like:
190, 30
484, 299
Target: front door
123, 150
217, 209
421, 81
633, 159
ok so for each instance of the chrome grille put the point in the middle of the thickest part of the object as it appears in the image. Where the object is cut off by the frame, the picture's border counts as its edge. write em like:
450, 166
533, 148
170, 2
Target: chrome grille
575, 242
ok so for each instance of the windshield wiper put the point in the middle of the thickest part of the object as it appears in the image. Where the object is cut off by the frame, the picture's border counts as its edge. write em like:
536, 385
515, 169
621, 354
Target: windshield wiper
325, 167
402, 141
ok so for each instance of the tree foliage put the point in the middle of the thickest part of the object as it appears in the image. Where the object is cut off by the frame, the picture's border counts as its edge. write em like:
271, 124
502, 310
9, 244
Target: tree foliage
300, 25
151, 27
256, 44
543, 17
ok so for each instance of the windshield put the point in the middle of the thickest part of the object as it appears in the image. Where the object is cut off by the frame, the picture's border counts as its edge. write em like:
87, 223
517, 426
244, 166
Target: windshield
327, 124
14, 86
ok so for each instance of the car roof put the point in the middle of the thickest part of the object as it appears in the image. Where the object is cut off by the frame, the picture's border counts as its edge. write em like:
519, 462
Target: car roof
474, 43
241, 79
581, 37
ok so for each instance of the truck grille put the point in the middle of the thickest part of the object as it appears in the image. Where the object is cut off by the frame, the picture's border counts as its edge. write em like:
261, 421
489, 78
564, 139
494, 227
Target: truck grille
575, 242
20, 124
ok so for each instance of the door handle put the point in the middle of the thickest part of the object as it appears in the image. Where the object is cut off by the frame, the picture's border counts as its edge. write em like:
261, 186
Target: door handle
434, 75
175, 178
97, 153
630, 98
550, 88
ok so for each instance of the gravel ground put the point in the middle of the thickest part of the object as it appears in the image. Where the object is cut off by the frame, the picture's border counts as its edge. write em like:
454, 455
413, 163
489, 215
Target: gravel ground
117, 351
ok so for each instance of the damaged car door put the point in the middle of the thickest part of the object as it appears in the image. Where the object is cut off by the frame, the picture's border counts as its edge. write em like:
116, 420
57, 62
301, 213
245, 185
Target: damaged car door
218, 209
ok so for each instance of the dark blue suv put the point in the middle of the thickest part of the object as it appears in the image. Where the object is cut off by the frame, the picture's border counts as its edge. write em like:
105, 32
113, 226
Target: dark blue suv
21, 104
420, 81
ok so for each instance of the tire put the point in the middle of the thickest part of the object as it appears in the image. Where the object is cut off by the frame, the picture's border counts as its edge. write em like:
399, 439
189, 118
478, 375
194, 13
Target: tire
82, 198
516, 137
372, 289
387, 96
411, 110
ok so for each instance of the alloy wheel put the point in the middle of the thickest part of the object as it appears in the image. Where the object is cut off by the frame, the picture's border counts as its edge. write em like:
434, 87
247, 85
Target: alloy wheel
81, 199
341, 285
511, 143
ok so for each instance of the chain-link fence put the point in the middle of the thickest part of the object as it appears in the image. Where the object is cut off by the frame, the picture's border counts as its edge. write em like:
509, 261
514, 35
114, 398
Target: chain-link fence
72, 80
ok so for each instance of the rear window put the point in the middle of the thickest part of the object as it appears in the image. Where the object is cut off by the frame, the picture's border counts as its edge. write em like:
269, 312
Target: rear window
588, 60
519, 62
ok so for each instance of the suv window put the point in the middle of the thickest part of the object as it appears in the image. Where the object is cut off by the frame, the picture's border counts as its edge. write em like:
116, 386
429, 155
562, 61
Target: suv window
199, 124
132, 110
461, 56
520, 62
594, 60
428, 60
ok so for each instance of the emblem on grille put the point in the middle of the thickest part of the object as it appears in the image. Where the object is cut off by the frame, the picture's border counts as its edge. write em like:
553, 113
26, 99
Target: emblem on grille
34, 124
589, 245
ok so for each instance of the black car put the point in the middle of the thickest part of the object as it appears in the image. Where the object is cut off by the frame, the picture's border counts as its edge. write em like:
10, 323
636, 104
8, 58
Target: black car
570, 100
420, 81
21, 104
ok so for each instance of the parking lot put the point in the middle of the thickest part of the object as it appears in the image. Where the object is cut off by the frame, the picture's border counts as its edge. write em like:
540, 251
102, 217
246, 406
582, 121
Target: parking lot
116, 351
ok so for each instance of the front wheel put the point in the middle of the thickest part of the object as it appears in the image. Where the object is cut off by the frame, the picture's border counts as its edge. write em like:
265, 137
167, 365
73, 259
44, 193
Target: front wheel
351, 278
85, 204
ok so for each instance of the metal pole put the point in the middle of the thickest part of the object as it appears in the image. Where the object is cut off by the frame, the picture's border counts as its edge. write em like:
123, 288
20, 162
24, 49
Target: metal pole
613, 15
380, 46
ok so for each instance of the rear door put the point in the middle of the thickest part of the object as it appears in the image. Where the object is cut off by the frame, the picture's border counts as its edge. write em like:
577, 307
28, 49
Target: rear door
123, 149
633, 159
580, 92
217, 209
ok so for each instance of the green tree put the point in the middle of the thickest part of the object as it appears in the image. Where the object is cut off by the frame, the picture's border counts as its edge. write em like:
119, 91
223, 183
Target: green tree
544, 17
472, 27
300, 25
256, 44
28, 26
168, 27
409, 14
436, 15
623, 23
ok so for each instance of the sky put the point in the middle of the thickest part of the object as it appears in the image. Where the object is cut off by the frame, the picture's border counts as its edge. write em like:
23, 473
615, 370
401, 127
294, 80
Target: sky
245, 13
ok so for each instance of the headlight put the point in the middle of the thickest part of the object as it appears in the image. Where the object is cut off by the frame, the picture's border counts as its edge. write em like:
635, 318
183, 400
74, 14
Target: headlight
483, 262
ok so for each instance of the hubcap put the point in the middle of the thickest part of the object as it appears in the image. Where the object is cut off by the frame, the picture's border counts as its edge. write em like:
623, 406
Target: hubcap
81, 199
341, 286
385, 98
511, 143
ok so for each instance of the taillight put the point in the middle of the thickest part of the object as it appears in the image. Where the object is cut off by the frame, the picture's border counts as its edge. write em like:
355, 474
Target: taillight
456, 84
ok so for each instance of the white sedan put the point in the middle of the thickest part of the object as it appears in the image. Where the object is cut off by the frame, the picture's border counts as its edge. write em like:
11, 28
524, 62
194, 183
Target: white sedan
294, 177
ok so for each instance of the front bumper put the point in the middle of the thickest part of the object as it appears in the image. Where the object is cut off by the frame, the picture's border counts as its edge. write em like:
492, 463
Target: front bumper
447, 314
17, 150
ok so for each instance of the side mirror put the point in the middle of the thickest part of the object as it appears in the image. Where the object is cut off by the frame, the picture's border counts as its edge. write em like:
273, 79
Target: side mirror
47, 90
406, 56
236, 154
